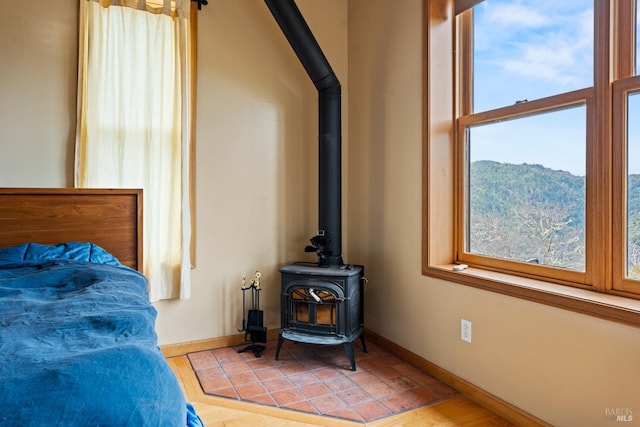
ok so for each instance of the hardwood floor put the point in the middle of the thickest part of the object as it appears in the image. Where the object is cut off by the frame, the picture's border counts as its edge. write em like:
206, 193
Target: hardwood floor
216, 411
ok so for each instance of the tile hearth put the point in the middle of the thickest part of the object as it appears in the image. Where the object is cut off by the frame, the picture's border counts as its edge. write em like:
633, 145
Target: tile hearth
317, 379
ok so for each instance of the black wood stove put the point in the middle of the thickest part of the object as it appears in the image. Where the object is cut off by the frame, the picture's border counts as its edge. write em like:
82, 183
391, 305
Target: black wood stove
322, 303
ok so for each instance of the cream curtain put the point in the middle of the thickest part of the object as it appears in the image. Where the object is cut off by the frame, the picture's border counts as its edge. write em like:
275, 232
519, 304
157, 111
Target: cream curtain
133, 127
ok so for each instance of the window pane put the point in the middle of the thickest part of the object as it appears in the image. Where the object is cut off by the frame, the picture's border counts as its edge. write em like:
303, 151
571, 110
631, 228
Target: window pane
526, 189
525, 50
633, 188
636, 38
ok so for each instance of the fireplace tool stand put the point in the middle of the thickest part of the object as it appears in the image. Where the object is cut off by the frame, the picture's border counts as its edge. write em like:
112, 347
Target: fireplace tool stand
253, 325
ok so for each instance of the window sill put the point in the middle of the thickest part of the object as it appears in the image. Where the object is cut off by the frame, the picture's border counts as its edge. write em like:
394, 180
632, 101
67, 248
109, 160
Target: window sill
609, 307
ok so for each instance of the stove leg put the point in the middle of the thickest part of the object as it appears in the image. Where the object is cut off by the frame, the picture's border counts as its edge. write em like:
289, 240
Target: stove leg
280, 342
364, 346
348, 346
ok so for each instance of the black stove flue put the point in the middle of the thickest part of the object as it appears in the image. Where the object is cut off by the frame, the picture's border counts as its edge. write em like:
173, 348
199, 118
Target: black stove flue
328, 242
322, 303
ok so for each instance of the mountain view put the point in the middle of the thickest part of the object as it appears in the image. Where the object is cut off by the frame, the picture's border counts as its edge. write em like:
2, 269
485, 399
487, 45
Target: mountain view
535, 214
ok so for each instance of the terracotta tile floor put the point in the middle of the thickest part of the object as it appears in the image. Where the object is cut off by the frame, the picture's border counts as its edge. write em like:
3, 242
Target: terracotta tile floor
317, 379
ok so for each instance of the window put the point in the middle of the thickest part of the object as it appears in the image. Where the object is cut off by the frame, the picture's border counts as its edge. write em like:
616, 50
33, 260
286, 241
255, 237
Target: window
526, 95
524, 202
531, 160
633, 187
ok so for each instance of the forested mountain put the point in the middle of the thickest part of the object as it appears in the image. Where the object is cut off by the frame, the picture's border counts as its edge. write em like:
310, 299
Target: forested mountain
536, 214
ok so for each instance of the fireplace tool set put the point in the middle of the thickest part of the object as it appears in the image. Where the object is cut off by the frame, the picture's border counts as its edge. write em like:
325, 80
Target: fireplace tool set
253, 325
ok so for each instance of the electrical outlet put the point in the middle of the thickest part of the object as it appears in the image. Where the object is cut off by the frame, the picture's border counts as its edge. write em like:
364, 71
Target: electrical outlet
465, 330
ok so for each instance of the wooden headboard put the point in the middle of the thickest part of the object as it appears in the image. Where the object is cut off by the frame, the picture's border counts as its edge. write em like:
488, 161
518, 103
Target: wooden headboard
109, 218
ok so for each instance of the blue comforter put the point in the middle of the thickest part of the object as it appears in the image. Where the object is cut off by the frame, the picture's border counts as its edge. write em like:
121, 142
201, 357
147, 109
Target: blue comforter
78, 345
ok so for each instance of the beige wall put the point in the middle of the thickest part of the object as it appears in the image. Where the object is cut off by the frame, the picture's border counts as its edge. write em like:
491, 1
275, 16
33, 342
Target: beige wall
563, 367
38, 61
256, 160
256, 168
256, 191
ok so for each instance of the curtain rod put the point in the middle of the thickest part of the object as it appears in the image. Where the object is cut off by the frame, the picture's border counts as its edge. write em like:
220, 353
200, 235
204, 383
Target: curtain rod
201, 2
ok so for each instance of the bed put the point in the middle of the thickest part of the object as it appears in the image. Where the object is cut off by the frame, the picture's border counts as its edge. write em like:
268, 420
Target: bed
77, 331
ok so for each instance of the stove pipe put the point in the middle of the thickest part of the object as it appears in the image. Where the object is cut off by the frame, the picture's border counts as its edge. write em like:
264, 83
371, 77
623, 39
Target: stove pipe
328, 243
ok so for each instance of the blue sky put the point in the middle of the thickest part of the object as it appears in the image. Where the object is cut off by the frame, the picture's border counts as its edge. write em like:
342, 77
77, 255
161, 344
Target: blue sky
530, 50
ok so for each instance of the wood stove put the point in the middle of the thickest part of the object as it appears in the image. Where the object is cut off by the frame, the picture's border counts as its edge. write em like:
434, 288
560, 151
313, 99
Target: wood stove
322, 305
